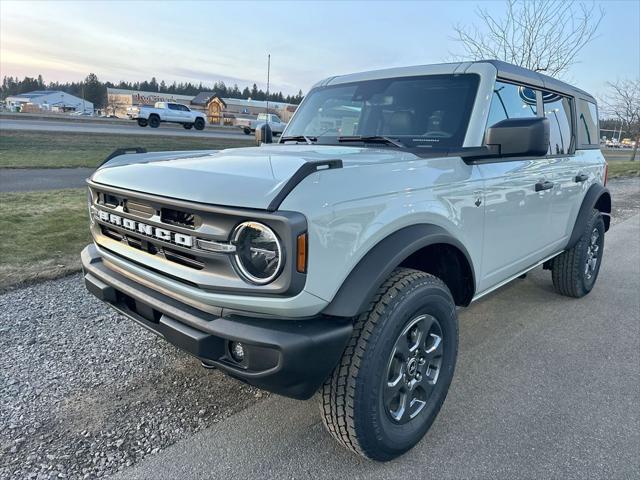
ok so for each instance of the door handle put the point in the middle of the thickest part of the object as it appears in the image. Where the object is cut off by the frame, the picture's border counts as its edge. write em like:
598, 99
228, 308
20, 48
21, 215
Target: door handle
581, 178
544, 185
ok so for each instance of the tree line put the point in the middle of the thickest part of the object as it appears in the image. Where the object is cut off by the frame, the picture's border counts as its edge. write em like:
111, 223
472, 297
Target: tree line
95, 91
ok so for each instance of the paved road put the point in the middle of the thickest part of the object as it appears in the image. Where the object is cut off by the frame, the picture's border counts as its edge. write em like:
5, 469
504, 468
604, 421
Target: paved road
546, 387
29, 179
132, 129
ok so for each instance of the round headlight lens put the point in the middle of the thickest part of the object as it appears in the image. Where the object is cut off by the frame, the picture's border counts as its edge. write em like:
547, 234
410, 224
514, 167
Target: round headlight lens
258, 252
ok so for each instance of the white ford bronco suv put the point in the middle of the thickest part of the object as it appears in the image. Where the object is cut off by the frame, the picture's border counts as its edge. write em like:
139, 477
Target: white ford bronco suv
334, 261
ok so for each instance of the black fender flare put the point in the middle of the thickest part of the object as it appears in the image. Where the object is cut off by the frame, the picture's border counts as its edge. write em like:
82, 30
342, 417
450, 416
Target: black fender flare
596, 197
363, 282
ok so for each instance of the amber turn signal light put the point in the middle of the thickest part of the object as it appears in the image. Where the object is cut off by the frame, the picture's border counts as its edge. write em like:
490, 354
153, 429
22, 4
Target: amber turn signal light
301, 258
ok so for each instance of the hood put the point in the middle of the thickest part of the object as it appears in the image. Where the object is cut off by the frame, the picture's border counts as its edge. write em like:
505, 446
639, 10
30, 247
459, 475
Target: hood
240, 177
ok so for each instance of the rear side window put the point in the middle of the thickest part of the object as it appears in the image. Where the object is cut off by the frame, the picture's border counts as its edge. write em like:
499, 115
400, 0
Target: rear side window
172, 106
558, 110
511, 101
587, 127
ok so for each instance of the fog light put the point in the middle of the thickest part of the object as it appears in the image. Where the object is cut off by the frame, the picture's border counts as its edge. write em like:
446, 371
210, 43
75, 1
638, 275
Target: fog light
237, 351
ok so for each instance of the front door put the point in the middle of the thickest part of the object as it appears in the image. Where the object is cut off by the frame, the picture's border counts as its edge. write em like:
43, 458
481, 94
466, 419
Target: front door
517, 196
517, 218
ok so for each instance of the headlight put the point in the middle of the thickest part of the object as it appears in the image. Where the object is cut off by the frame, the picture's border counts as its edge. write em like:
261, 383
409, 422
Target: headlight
258, 254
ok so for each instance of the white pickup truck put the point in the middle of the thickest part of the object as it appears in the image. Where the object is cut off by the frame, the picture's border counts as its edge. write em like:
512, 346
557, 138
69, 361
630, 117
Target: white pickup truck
249, 126
168, 112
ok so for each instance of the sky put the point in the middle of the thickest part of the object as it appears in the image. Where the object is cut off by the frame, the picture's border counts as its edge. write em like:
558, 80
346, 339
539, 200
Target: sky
229, 41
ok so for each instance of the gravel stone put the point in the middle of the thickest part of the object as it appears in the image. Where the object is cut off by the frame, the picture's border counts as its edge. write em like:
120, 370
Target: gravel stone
85, 392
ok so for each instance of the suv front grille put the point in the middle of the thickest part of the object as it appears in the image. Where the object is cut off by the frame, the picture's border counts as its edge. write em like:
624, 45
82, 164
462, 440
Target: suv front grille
178, 218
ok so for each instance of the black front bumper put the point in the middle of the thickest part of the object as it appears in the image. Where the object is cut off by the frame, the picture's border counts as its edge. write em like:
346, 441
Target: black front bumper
286, 356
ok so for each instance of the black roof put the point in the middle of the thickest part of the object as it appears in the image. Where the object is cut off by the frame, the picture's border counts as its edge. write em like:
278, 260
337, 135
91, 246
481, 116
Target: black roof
203, 98
518, 74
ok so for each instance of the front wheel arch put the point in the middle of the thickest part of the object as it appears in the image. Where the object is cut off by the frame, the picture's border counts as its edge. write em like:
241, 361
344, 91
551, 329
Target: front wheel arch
409, 247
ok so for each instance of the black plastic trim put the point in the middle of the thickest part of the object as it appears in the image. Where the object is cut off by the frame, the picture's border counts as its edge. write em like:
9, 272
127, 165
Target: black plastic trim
360, 286
591, 198
122, 151
303, 172
291, 357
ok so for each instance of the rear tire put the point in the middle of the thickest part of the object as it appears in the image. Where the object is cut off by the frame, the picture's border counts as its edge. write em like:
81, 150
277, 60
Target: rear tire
142, 122
154, 121
396, 369
187, 126
199, 124
247, 131
575, 271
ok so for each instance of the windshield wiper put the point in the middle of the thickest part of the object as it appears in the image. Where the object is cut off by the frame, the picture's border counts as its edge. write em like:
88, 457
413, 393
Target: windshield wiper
372, 139
299, 138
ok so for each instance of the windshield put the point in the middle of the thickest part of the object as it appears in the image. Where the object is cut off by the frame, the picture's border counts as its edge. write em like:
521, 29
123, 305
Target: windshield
426, 111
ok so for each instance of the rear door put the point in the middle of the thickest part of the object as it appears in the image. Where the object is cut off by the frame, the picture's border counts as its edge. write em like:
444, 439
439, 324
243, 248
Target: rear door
517, 214
566, 170
173, 112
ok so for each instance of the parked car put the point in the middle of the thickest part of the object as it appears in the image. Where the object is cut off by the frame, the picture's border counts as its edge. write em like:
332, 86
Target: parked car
335, 260
249, 126
167, 112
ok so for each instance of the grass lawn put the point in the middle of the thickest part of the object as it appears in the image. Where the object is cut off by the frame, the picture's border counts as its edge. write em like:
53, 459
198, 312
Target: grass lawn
624, 169
23, 149
42, 234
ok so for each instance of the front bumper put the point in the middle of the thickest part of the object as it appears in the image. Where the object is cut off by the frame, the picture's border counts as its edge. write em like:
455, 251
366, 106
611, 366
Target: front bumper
286, 356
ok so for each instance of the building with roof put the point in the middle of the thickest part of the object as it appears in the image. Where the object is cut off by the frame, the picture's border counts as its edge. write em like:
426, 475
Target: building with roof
48, 100
219, 111
224, 111
119, 99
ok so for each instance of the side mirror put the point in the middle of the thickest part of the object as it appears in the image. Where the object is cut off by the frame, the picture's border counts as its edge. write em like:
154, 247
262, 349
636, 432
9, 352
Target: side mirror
519, 137
264, 134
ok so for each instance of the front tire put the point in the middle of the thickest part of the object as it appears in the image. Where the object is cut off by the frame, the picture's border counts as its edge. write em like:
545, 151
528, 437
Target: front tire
199, 124
396, 370
575, 271
142, 122
247, 131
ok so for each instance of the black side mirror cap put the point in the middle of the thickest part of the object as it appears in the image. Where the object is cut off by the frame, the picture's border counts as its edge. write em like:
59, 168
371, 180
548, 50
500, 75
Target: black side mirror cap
519, 137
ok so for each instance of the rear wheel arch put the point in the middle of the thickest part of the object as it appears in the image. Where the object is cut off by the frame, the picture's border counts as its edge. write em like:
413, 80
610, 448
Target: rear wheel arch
426, 247
597, 197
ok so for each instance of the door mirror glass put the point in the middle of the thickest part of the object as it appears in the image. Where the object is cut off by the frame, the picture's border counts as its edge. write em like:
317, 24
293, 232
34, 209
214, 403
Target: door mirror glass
519, 137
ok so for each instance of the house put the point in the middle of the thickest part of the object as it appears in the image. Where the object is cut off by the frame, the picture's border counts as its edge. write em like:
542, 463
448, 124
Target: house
226, 110
48, 100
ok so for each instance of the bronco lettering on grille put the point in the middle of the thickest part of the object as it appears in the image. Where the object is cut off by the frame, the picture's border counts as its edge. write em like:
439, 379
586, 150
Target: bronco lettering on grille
148, 230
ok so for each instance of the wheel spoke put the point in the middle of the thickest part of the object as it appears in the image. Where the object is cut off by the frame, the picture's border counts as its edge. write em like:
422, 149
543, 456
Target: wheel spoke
396, 400
415, 407
434, 347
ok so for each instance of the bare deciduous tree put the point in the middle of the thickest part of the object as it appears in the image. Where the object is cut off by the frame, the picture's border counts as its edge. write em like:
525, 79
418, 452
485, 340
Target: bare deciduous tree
623, 103
541, 35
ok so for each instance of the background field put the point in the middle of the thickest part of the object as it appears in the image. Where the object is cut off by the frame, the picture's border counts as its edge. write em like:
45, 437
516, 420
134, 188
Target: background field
23, 149
42, 234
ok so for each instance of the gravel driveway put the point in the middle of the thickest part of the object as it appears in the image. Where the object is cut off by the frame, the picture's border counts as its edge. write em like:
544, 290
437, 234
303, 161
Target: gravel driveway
85, 392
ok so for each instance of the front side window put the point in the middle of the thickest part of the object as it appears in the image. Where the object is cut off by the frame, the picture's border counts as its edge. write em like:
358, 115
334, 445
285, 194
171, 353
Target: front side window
558, 110
511, 101
425, 111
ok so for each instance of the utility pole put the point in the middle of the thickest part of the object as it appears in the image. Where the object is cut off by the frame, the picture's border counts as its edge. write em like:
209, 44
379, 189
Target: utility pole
268, 75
